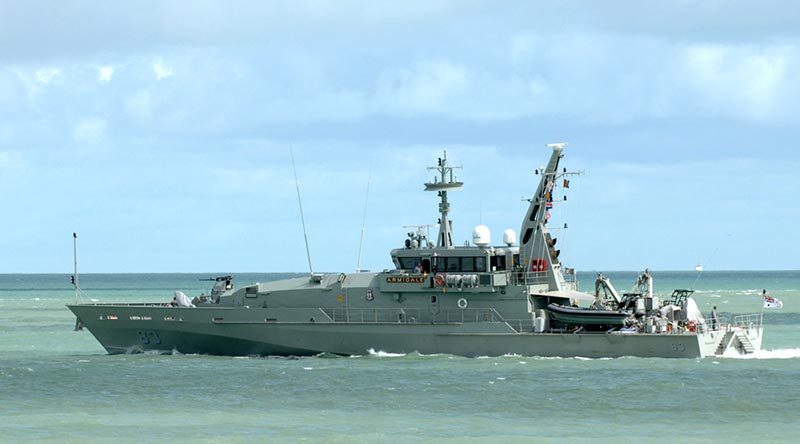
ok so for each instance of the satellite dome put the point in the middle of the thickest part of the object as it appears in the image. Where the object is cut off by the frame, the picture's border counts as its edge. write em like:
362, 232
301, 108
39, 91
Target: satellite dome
482, 236
510, 237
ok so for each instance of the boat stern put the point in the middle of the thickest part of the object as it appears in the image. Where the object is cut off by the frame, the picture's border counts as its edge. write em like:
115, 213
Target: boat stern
742, 337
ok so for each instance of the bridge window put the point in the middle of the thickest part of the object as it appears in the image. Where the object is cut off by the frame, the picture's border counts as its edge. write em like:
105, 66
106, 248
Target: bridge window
457, 264
409, 263
480, 264
453, 264
440, 266
498, 263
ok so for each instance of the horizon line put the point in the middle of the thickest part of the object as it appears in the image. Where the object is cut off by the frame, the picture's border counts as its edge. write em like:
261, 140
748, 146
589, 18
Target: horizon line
353, 272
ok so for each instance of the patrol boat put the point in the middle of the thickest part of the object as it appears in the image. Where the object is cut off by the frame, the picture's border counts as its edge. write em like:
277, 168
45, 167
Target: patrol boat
472, 300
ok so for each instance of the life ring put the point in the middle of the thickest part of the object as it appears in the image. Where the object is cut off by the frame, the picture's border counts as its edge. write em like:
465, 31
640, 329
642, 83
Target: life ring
439, 280
463, 304
691, 326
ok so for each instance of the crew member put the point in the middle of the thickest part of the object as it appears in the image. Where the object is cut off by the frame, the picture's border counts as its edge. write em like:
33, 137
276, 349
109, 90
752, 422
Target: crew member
714, 318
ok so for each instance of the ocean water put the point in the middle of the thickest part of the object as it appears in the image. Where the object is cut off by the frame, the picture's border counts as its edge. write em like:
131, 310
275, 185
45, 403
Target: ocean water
57, 385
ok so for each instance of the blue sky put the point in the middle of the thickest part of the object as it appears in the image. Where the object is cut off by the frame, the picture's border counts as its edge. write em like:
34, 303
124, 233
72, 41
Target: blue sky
160, 131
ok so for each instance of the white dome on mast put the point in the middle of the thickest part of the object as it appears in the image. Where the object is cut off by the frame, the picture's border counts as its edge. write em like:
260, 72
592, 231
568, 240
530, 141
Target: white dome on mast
482, 236
510, 237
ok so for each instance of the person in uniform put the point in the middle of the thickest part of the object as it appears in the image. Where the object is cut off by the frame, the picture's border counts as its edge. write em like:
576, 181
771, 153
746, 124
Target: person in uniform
714, 318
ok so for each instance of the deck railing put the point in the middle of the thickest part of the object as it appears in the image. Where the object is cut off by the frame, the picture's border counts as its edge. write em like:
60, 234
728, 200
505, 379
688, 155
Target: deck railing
521, 325
727, 322
412, 316
749, 321
529, 278
538, 278
373, 316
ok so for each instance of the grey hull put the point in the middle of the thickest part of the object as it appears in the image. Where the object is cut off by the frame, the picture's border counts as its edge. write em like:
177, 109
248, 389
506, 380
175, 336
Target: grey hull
251, 337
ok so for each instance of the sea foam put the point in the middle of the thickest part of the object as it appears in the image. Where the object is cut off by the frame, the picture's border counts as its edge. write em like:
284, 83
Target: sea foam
786, 353
383, 354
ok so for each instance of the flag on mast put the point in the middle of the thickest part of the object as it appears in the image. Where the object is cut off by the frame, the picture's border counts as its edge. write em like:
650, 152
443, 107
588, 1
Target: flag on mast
770, 302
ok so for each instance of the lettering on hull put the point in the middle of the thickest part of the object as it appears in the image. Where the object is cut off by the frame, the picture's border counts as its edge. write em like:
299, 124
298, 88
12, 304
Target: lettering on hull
405, 280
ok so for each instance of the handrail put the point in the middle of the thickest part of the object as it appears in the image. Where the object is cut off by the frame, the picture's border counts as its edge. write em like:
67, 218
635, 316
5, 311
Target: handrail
145, 305
749, 321
521, 325
529, 278
412, 316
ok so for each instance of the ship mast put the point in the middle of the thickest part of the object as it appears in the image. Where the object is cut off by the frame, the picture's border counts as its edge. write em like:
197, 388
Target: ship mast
442, 183
75, 263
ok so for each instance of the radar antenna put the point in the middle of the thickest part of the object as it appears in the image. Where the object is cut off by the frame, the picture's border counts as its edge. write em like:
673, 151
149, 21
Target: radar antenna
302, 217
442, 184
421, 233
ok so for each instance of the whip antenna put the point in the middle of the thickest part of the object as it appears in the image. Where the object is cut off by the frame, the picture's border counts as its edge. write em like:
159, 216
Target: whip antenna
364, 222
702, 270
302, 217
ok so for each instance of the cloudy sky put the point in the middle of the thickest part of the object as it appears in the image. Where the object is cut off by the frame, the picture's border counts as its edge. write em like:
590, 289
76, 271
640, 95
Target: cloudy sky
161, 131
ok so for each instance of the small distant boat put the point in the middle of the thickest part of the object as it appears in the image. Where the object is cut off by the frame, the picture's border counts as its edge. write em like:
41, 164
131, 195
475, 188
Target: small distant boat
586, 316
699, 268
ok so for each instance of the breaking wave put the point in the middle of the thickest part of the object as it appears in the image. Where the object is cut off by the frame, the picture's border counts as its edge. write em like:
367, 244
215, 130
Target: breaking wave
383, 354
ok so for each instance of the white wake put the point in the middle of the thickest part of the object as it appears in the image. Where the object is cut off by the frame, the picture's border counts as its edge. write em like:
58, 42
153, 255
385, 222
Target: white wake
786, 353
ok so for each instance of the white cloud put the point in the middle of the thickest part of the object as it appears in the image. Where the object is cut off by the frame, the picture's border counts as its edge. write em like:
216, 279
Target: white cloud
425, 87
459, 90
162, 71
608, 78
104, 73
90, 131
588, 77
745, 81
337, 106
46, 75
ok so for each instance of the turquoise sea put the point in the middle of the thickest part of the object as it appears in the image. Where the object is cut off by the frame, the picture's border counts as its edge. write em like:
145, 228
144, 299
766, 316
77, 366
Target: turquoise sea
57, 385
